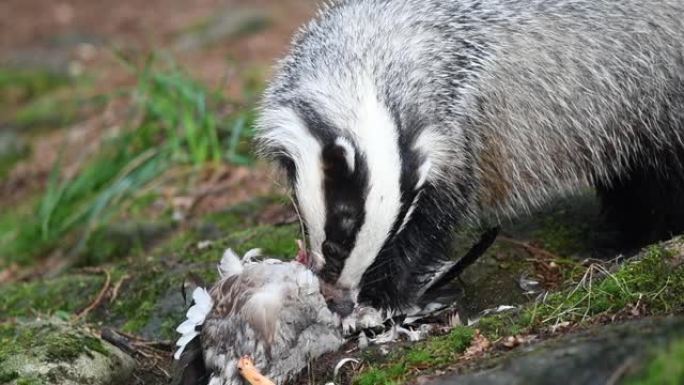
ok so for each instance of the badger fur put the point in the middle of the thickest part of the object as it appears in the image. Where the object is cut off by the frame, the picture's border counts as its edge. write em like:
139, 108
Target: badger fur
398, 121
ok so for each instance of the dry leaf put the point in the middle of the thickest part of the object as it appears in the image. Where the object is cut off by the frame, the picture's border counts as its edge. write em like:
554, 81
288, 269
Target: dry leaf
478, 346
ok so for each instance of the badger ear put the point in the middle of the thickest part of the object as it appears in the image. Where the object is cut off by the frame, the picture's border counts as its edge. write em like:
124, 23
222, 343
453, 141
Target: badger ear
339, 158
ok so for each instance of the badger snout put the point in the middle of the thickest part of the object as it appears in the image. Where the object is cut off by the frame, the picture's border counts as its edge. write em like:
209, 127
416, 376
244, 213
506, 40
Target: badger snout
339, 300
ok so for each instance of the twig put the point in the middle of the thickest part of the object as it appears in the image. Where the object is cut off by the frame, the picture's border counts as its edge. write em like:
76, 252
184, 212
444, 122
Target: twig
100, 295
116, 339
530, 249
117, 286
620, 371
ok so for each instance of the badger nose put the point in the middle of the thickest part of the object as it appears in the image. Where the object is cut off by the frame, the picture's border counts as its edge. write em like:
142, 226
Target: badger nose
339, 300
343, 307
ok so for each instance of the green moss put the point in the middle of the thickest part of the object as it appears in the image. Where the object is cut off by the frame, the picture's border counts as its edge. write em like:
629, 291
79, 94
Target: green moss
31, 380
274, 241
125, 238
8, 376
53, 341
434, 353
665, 368
375, 377
68, 294
243, 215
652, 280
67, 347
460, 338
137, 302
560, 237
417, 357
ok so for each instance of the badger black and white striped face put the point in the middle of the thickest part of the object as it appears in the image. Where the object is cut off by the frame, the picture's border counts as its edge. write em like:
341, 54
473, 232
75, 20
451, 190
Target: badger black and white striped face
356, 176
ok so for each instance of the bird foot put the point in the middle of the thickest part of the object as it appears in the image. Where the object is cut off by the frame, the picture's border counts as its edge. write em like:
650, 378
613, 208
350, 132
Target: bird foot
250, 373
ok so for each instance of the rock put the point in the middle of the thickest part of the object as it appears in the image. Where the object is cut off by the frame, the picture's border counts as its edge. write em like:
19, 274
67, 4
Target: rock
586, 358
57, 353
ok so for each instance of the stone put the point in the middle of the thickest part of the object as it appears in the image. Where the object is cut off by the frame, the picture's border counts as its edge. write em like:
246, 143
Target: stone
590, 357
55, 352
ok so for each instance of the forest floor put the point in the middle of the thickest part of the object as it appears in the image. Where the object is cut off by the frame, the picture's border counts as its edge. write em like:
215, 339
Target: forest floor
126, 164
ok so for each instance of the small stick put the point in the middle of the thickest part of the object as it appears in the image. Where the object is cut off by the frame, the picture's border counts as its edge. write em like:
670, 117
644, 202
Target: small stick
529, 248
620, 372
117, 287
100, 295
250, 373
118, 340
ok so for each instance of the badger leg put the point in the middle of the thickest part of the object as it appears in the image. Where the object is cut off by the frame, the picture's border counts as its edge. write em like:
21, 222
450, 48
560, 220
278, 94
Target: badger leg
647, 204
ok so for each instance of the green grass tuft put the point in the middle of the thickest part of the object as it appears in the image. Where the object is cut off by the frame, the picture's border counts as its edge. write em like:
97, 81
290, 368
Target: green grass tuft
651, 281
181, 122
433, 353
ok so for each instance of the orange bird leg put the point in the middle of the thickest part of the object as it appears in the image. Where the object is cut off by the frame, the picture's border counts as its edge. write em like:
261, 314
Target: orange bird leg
250, 373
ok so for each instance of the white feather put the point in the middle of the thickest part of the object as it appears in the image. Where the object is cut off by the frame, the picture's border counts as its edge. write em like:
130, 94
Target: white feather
196, 315
251, 254
230, 264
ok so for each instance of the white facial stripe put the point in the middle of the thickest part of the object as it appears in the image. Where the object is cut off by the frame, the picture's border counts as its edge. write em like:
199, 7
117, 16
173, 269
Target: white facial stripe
436, 149
377, 137
349, 153
409, 212
283, 128
423, 172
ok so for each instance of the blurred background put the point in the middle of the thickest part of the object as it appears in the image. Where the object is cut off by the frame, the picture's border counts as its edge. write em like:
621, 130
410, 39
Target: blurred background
125, 165
115, 112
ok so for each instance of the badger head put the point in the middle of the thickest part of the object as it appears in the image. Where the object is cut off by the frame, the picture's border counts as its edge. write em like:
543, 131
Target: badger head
366, 162
377, 211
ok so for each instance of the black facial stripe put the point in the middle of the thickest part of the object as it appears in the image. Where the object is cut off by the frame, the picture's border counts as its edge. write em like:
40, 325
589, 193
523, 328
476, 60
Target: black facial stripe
411, 161
344, 190
289, 166
319, 127
345, 195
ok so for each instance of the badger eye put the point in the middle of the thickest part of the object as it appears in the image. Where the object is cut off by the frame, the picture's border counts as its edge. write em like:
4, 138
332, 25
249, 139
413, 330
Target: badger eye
334, 250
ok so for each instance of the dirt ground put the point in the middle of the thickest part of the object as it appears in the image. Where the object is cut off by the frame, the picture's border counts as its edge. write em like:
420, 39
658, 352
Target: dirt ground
86, 36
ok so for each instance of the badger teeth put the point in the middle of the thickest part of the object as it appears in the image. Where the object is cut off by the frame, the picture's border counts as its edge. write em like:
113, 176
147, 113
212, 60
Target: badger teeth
196, 315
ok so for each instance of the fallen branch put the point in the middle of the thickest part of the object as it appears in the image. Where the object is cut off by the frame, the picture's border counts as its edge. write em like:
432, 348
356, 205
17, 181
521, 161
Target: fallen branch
118, 340
620, 372
117, 287
529, 248
100, 295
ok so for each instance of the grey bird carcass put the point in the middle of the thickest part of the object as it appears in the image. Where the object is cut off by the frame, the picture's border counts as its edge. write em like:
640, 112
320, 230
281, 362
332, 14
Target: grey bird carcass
272, 311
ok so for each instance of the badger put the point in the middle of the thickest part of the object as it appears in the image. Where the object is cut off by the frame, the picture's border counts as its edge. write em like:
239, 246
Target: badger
398, 122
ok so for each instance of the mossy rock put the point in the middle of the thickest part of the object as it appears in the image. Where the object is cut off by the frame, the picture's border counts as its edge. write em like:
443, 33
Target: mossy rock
594, 356
57, 353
